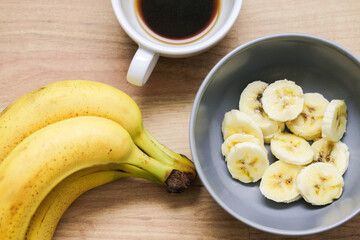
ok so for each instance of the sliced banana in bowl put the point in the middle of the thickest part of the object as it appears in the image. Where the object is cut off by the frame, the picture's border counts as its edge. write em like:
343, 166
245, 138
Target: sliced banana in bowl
279, 182
251, 103
267, 138
240, 138
320, 183
335, 153
247, 162
239, 122
283, 100
309, 122
334, 120
291, 149
313, 172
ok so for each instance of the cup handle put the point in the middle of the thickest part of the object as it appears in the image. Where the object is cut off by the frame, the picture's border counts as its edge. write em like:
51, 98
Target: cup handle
141, 66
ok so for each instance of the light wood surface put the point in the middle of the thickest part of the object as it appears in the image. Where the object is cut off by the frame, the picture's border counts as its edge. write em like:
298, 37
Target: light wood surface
46, 41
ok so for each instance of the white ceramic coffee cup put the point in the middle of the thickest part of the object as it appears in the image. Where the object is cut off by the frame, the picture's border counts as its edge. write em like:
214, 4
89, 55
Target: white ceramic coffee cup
151, 48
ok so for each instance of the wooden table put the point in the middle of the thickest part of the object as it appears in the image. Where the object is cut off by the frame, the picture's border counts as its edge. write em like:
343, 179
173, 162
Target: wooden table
45, 41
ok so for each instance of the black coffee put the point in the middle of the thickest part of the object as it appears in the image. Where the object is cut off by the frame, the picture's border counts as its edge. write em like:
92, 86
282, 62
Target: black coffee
178, 21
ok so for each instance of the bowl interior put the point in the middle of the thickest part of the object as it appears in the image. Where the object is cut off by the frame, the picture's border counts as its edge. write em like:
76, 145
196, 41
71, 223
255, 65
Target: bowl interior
317, 66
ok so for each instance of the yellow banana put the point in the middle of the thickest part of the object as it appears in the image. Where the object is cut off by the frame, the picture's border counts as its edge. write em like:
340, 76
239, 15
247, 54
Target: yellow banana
47, 216
68, 99
51, 154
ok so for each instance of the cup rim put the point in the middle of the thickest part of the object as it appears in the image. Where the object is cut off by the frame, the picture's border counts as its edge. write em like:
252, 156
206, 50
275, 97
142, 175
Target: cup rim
170, 50
208, 79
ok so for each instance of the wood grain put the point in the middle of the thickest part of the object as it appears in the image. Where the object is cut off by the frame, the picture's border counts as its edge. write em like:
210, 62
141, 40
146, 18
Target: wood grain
47, 41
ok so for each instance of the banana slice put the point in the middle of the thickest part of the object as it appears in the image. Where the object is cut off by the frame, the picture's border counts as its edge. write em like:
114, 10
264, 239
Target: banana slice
279, 182
283, 100
267, 138
336, 153
291, 149
251, 104
334, 120
239, 122
240, 138
247, 162
320, 183
309, 122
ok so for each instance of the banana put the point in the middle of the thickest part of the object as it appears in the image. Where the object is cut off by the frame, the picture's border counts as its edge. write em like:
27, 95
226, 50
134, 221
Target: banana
291, 149
279, 182
334, 120
44, 221
67, 99
251, 104
247, 162
320, 183
309, 122
283, 100
239, 138
46, 157
336, 153
239, 122
47, 216
267, 139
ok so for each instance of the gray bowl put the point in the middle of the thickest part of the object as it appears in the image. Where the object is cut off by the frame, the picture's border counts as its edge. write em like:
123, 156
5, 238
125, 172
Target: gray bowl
317, 65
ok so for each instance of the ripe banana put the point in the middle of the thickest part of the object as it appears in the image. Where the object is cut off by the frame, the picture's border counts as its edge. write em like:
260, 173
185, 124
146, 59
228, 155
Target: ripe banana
247, 162
334, 120
239, 138
279, 182
251, 104
320, 183
309, 122
42, 160
291, 149
44, 221
239, 122
67, 99
283, 100
336, 153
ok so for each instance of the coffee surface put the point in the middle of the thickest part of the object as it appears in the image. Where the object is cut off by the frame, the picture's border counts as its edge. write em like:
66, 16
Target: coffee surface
178, 19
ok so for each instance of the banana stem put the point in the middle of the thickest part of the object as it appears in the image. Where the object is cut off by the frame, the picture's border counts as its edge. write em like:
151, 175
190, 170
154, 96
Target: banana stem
136, 172
176, 181
156, 150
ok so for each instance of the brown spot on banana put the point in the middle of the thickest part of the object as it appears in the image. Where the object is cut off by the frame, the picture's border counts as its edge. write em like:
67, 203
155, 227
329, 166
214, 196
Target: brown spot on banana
260, 110
258, 97
326, 156
304, 115
311, 109
289, 180
240, 162
323, 179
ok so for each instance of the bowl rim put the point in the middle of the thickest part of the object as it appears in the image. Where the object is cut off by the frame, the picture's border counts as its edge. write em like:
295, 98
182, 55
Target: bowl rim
208, 79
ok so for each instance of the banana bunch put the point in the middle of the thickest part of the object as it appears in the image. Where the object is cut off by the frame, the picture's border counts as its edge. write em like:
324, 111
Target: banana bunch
66, 138
312, 171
